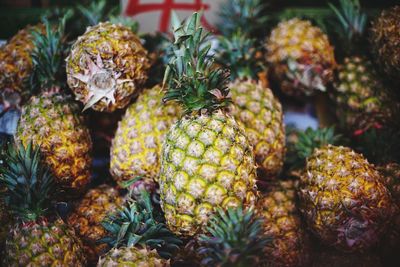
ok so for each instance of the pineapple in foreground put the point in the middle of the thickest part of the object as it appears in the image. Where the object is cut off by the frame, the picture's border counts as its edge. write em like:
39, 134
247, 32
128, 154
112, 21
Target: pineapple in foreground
16, 62
301, 57
88, 214
253, 105
136, 147
385, 38
35, 240
234, 238
362, 101
207, 160
137, 238
52, 120
290, 245
106, 67
343, 199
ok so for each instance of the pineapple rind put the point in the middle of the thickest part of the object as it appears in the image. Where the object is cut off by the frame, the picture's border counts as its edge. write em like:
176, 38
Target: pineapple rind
207, 162
260, 114
136, 147
132, 257
344, 200
290, 245
307, 46
89, 213
106, 66
43, 244
53, 122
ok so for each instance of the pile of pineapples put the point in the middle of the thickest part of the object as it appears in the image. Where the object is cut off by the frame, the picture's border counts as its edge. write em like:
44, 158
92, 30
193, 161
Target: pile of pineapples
202, 169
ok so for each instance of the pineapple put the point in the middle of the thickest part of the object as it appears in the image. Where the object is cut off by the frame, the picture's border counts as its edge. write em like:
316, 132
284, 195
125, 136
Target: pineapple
362, 101
35, 240
344, 200
234, 238
136, 147
290, 244
51, 119
328, 257
253, 105
15, 61
106, 66
384, 38
137, 237
207, 160
301, 57
88, 214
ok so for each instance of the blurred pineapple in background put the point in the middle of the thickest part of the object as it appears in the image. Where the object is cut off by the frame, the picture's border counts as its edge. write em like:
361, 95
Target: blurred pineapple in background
107, 65
362, 101
301, 57
253, 104
88, 214
136, 147
52, 120
384, 39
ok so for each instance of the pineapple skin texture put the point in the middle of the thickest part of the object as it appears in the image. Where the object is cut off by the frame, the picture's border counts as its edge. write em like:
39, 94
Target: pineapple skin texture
361, 99
87, 217
136, 147
15, 60
385, 41
53, 121
207, 162
344, 200
122, 63
43, 244
260, 113
290, 244
132, 257
307, 45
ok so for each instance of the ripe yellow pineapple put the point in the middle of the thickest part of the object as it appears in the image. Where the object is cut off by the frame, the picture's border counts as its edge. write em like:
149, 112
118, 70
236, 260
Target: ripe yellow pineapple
36, 238
132, 256
106, 66
301, 57
87, 216
282, 223
253, 105
207, 160
15, 60
136, 147
52, 120
344, 200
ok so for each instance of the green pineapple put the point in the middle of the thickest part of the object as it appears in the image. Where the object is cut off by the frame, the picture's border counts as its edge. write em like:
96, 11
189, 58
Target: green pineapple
207, 160
137, 236
362, 101
234, 238
35, 239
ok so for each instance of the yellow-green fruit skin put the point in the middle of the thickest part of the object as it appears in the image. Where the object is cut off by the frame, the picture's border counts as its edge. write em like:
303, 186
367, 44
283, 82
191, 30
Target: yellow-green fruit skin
43, 244
132, 257
344, 200
108, 61
308, 47
207, 162
53, 121
290, 245
136, 147
260, 113
361, 100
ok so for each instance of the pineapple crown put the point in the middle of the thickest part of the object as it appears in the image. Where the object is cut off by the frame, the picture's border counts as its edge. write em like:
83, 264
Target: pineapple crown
190, 77
29, 184
242, 15
234, 238
135, 225
238, 53
352, 20
307, 141
48, 56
